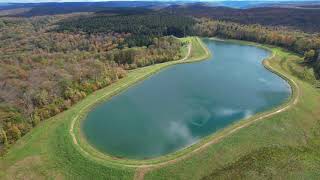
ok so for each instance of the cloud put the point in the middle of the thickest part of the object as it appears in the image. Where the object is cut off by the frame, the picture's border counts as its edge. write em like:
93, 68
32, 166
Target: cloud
229, 112
247, 114
226, 111
179, 131
263, 80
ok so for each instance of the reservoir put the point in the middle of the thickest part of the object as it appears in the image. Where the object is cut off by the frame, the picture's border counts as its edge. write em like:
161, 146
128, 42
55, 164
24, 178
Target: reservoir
184, 103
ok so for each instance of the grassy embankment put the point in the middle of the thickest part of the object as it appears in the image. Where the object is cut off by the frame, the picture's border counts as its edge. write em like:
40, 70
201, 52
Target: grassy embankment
285, 145
49, 152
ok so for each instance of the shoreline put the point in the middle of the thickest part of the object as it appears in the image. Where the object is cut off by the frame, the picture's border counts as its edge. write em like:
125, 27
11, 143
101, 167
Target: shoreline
205, 141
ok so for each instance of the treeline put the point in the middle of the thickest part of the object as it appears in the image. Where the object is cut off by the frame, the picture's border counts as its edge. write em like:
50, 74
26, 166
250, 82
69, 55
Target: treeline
143, 27
296, 18
43, 72
299, 42
54, 8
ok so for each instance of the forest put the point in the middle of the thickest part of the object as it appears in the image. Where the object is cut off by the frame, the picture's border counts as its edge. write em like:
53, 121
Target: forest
143, 27
296, 18
44, 72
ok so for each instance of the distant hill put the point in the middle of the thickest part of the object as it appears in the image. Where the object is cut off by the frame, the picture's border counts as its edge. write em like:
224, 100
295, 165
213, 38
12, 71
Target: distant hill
80, 6
297, 18
38, 9
298, 15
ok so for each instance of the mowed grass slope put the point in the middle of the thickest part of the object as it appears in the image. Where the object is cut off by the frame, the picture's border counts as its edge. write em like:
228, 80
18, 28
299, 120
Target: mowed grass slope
48, 151
284, 146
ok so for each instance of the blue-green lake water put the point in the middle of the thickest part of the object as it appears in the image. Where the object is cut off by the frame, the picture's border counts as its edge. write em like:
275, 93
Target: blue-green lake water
183, 103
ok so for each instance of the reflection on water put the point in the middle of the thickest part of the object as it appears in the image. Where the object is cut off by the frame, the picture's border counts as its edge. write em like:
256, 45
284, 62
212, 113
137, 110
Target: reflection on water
178, 106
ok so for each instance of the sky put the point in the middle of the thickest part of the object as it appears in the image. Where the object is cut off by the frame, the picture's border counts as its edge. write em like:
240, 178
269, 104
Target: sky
36, 1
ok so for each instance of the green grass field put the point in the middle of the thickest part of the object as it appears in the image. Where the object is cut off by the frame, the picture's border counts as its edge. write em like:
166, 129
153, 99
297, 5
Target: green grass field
283, 146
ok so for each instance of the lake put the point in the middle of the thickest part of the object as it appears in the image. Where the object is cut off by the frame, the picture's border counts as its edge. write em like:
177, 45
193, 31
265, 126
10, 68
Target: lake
184, 103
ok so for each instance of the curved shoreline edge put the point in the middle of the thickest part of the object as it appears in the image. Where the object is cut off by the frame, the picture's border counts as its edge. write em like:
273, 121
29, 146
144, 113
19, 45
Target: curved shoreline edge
203, 143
